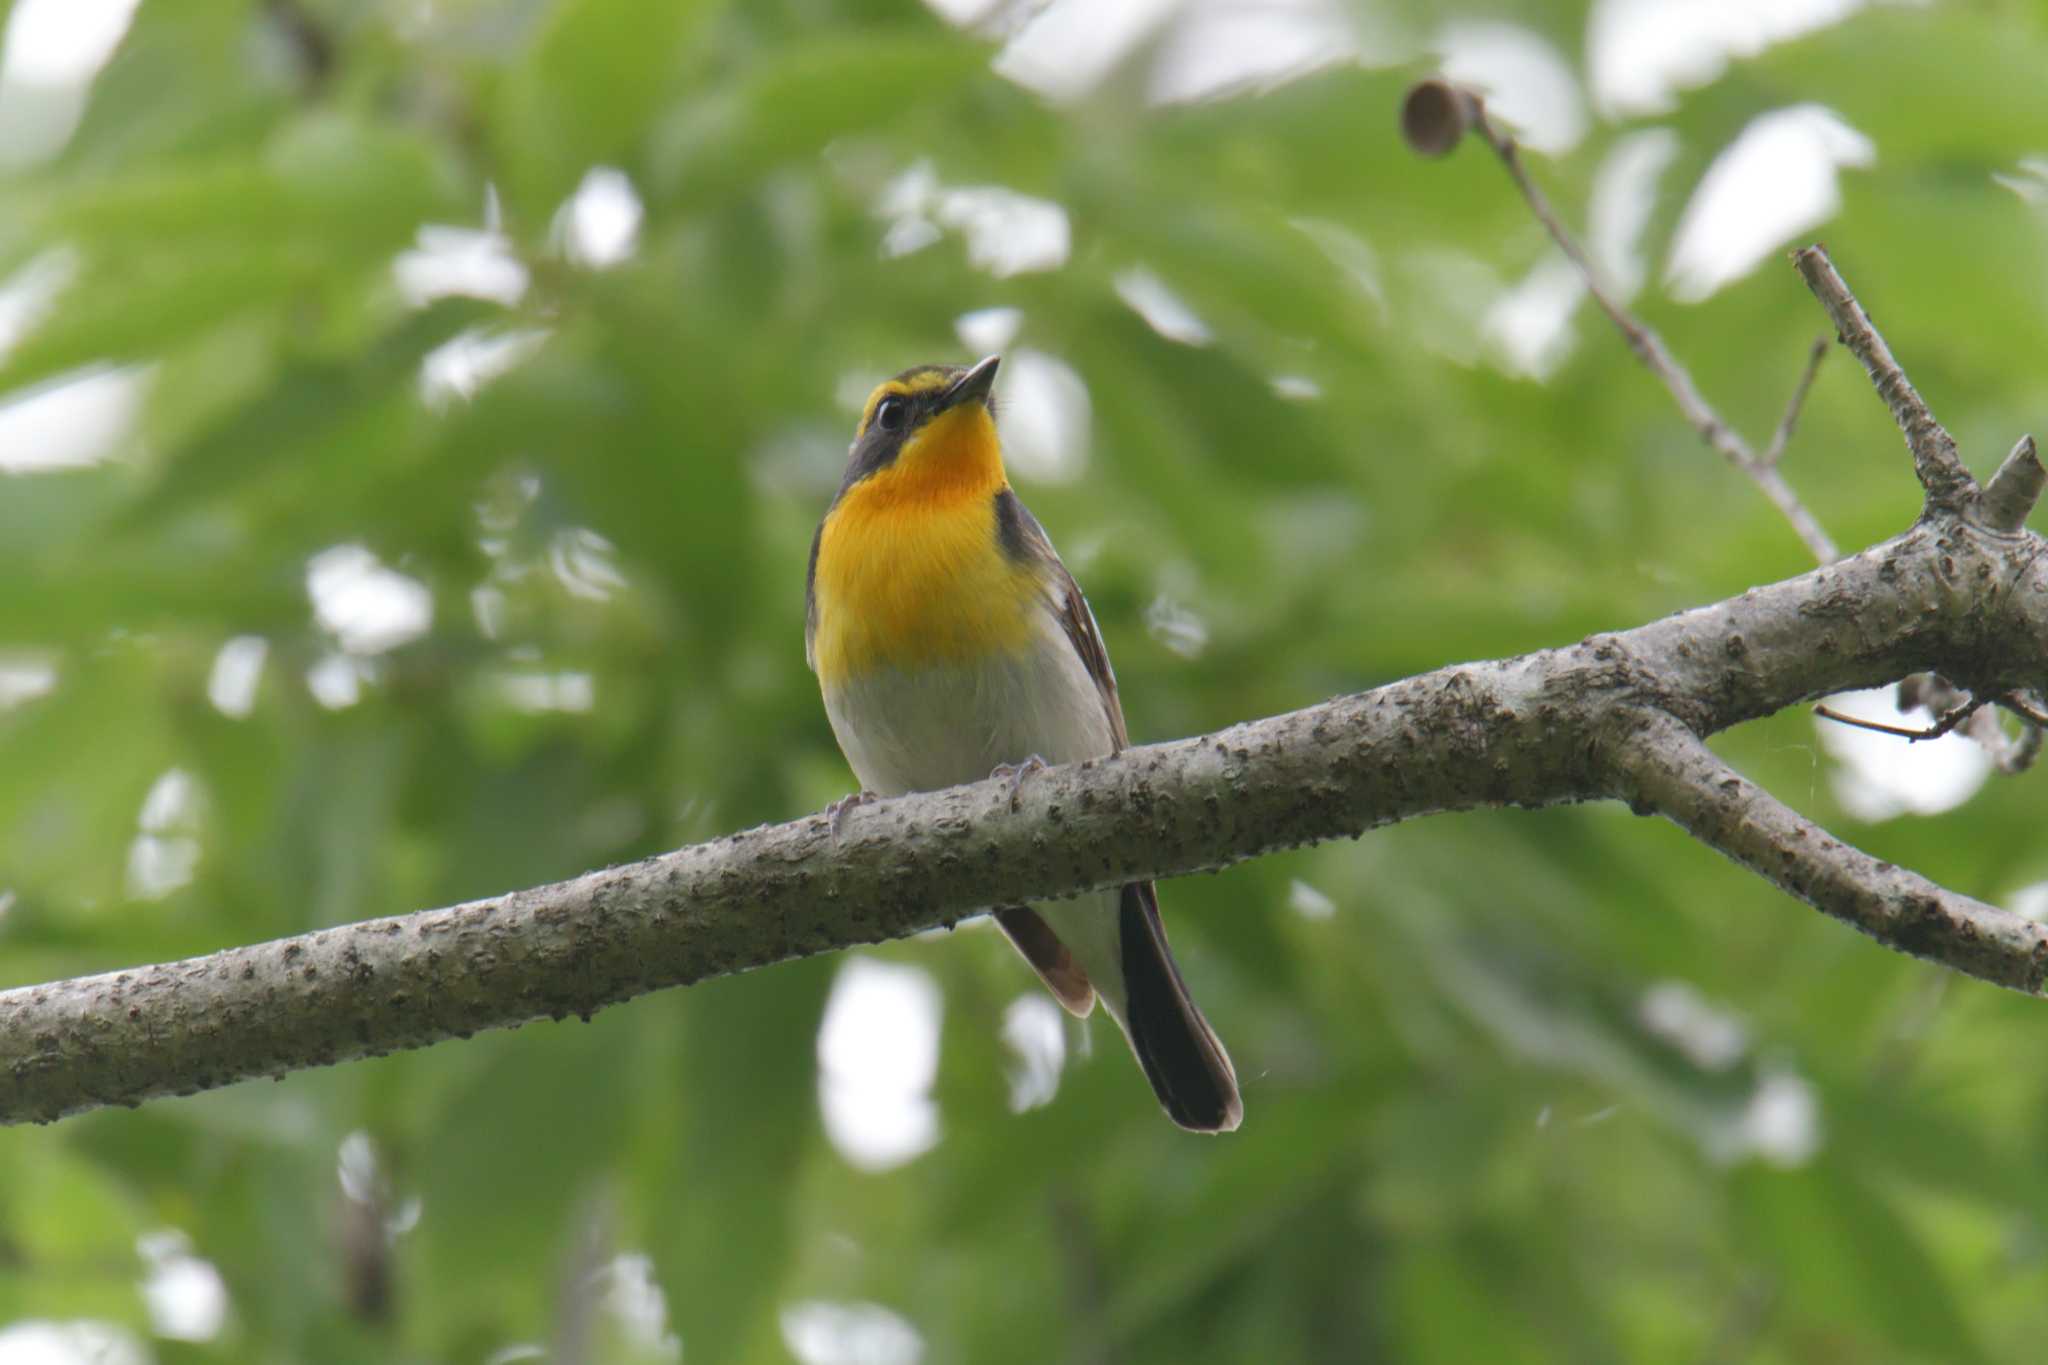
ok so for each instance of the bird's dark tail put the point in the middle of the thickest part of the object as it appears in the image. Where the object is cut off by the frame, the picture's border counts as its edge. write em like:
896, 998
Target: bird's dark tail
1188, 1068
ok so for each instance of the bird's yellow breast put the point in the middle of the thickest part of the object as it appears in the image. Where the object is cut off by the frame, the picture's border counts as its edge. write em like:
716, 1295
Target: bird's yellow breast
911, 574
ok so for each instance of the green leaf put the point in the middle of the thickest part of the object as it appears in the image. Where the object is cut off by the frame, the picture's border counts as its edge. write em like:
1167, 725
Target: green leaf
584, 91
790, 106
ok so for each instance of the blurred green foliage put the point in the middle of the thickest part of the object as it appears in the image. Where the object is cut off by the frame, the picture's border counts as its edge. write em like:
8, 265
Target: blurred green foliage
1463, 1139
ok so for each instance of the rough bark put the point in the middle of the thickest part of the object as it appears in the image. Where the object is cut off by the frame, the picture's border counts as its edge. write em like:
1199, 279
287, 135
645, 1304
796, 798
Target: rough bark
1614, 716
1963, 594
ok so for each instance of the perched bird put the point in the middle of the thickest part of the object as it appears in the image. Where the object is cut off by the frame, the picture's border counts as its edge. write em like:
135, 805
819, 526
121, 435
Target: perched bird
951, 645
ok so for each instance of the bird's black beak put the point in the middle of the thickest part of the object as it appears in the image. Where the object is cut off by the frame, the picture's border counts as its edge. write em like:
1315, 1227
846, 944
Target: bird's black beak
976, 386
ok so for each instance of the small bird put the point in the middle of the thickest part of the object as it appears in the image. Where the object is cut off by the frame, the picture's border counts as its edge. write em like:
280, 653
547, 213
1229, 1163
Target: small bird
952, 645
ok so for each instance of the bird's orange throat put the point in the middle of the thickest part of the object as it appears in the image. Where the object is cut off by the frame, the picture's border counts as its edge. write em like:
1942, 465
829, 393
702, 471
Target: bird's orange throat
955, 455
910, 573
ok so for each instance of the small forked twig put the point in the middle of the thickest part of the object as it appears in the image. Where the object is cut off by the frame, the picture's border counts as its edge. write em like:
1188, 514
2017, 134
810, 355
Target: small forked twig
1434, 115
1964, 711
1940, 727
1783, 435
1437, 114
2024, 709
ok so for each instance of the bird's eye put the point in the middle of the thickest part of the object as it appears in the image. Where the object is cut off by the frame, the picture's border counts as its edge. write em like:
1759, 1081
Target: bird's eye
889, 416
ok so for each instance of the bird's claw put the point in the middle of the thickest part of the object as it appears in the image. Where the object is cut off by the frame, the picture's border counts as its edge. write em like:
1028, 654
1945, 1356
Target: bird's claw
836, 812
1016, 773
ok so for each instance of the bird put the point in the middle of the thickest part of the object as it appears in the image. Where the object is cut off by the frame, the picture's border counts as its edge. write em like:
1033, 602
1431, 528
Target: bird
951, 645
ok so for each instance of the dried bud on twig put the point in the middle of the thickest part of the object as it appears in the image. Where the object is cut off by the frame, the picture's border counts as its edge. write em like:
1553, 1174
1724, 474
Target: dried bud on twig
1436, 115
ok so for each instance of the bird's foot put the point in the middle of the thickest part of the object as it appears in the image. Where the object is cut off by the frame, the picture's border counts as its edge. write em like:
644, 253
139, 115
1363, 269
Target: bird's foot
836, 812
1016, 773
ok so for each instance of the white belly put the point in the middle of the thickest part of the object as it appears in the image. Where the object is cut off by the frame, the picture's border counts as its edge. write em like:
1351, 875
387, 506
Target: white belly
938, 727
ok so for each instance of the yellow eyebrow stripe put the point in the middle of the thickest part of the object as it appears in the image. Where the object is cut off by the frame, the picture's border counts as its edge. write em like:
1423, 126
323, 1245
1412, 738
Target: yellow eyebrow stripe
924, 381
867, 414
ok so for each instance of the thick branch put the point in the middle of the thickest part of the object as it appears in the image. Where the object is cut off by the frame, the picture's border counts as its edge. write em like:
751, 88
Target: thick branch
1556, 726
1677, 776
1940, 470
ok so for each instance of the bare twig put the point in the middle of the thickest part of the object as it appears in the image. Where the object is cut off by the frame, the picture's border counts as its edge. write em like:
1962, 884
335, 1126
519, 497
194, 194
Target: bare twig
1783, 435
2011, 754
1774, 487
2023, 708
1949, 486
1934, 731
1651, 350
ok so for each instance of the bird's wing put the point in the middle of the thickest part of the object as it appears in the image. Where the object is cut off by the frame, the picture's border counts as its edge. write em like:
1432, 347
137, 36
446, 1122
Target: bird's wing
1062, 974
1025, 542
811, 600
1178, 1051
1024, 539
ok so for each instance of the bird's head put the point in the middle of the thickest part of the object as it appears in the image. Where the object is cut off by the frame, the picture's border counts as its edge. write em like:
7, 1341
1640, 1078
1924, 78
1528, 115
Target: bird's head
933, 424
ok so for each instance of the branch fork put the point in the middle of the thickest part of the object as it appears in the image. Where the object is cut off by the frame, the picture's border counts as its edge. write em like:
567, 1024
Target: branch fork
1437, 114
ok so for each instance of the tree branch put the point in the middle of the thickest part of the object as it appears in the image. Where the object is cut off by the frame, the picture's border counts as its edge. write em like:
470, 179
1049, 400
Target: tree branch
1433, 117
1944, 723
1562, 725
1782, 437
1935, 462
1436, 115
1679, 778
